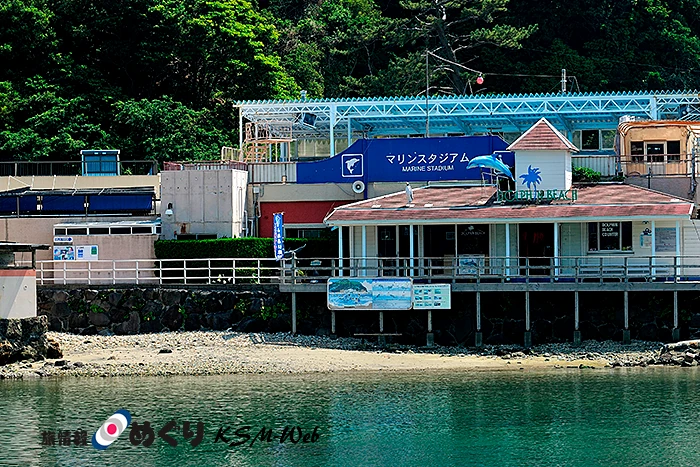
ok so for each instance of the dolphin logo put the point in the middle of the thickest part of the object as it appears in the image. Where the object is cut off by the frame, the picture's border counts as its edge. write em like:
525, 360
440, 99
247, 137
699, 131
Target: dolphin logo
350, 164
490, 162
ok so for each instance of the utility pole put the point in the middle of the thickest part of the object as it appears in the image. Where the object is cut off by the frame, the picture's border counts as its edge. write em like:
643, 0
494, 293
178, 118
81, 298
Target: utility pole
427, 91
563, 80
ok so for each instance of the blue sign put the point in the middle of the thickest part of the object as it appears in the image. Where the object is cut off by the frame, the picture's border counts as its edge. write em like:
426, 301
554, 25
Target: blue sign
406, 160
278, 234
351, 165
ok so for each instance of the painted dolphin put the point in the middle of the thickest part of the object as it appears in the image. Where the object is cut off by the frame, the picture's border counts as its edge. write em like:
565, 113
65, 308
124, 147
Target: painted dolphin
490, 162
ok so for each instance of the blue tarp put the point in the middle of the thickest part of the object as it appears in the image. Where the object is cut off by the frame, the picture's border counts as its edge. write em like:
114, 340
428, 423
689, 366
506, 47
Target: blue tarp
405, 160
120, 203
62, 203
9, 204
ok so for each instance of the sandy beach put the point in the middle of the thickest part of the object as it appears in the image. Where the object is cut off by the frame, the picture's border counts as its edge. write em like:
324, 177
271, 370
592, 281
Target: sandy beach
213, 353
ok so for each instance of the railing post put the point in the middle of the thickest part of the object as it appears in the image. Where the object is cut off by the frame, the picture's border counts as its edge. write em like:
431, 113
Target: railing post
89, 265
527, 270
233, 272
64, 273
137, 272
114, 272
209, 271
258, 271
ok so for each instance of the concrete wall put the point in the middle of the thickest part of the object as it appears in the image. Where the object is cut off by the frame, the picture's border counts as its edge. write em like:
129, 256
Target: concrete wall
18, 293
204, 201
77, 181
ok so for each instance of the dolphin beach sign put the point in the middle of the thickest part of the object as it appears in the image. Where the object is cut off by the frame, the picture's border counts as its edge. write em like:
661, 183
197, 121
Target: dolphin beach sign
534, 196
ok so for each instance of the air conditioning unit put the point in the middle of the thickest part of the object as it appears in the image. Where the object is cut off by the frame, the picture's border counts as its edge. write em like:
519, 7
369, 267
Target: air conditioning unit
358, 186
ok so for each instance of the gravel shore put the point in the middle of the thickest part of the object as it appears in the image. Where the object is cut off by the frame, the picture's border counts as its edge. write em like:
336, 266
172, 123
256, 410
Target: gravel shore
224, 352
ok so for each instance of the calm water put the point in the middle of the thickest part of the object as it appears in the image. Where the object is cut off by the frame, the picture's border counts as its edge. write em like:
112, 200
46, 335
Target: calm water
602, 417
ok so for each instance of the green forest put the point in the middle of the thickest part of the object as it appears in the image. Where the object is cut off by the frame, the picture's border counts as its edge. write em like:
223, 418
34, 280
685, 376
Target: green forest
159, 79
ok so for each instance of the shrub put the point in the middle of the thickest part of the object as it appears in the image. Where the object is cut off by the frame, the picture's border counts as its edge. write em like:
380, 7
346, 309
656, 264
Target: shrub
585, 175
249, 247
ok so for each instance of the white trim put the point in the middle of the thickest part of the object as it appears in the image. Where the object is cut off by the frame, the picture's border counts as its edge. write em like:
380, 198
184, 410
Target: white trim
306, 226
528, 220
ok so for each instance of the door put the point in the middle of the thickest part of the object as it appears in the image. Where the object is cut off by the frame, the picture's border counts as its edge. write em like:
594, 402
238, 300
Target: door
536, 248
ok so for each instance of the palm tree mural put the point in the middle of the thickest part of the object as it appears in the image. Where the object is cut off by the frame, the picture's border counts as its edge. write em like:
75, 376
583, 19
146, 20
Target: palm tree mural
532, 177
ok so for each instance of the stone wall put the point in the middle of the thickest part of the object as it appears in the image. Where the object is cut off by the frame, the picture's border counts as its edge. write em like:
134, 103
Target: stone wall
137, 310
264, 309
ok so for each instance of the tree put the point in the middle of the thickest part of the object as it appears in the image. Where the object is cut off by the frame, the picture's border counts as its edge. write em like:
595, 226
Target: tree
452, 31
163, 129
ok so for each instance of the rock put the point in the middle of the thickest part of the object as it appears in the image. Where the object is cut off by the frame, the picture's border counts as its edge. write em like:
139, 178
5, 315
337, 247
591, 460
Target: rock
99, 319
78, 364
61, 309
218, 321
251, 325
89, 331
105, 332
77, 321
90, 295
665, 358
192, 322
165, 350
114, 298
53, 349
23, 339
172, 318
60, 296
59, 363
172, 297
131, 326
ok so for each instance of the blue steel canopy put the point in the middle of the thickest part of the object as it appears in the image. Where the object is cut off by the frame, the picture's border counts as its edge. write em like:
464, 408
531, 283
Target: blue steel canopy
403, 116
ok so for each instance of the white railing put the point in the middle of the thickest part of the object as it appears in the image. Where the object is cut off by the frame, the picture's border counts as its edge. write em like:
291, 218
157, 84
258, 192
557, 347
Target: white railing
594, 267
217, 271
208, 271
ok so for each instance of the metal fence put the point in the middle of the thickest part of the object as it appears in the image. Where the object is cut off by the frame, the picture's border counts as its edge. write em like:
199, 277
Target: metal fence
466, 268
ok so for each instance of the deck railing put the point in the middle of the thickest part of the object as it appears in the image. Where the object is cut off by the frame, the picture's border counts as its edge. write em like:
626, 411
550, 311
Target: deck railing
599, 267
467, 268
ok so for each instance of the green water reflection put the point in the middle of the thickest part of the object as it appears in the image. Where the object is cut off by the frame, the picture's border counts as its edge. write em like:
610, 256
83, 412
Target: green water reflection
605, 417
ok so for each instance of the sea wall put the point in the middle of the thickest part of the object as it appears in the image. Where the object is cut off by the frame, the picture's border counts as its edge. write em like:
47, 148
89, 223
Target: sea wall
134, 310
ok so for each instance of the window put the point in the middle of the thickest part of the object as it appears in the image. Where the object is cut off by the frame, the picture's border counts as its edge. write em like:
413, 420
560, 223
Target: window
79, 231
143, 230
637, 151
673, 151
303, 233
609, 236
590, 140
656, 151
121, 230
99, 230
594, 140
58, 231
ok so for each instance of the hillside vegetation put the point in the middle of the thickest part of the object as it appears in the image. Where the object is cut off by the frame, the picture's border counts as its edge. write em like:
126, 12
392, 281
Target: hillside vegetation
159, 79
